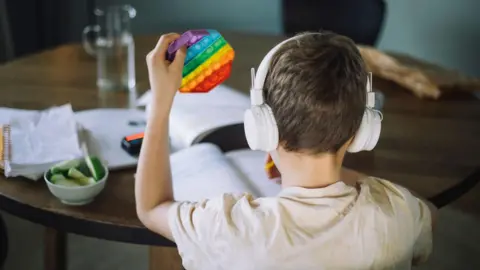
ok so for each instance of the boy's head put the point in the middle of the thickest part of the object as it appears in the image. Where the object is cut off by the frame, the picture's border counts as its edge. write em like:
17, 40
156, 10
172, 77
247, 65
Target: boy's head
316, 87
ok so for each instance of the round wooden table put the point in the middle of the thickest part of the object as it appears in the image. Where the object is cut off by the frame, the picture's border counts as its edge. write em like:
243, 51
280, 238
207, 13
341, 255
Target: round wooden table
425, 145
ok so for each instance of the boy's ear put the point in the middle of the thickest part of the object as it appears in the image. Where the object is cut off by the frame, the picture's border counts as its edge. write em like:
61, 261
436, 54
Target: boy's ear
348, 143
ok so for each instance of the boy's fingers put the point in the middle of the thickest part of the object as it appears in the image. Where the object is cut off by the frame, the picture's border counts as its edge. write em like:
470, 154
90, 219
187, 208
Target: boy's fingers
179, 59
164, 42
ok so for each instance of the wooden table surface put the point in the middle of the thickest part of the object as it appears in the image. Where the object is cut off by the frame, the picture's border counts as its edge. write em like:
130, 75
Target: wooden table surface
424, 145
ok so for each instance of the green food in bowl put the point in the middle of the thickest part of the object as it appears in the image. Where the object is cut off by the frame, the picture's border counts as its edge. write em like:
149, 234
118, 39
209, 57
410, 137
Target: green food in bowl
65, 166
59, 179
96, 167
83, 168
78, 172
79, 177
75, 174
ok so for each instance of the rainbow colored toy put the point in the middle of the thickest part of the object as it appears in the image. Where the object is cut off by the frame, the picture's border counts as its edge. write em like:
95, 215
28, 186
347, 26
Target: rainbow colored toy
208, 62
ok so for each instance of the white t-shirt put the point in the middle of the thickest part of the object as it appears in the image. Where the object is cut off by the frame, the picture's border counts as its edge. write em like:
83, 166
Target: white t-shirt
376, 225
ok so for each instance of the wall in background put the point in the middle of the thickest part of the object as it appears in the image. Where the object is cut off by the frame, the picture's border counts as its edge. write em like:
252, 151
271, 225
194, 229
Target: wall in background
441, 31
156, 16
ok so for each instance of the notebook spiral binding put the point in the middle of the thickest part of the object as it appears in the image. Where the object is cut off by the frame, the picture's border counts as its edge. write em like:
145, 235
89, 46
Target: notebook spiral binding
5, 146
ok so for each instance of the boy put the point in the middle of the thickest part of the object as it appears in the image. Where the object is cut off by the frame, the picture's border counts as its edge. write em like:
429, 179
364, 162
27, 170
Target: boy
325, 217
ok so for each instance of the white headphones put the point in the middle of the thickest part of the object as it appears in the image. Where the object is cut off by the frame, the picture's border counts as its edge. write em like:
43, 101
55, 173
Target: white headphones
261, 128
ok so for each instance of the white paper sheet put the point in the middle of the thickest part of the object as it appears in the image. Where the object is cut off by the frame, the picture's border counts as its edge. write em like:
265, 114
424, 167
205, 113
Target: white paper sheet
39, 139
45, 137
105, 130
6, 114
203, 171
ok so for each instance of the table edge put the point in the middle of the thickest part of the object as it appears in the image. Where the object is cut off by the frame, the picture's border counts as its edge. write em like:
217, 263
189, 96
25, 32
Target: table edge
90, 228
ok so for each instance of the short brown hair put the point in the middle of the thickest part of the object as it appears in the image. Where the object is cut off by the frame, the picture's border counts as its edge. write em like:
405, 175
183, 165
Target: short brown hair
316, 87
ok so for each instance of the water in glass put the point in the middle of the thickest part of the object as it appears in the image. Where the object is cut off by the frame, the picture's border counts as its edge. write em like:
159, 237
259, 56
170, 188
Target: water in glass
114, 47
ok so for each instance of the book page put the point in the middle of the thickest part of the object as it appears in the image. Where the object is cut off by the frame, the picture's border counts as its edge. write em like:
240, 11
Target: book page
195, 115
251, 164
202, 171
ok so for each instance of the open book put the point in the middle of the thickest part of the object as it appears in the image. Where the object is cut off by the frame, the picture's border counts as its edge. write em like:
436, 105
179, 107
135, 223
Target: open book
197, 115
192, 118
200, 168
204, 171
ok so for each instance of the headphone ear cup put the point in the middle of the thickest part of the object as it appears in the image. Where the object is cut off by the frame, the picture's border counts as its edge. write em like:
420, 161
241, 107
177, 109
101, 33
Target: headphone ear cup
368, 133
260, 128
375, 129
253, 127
362, 135
271, 129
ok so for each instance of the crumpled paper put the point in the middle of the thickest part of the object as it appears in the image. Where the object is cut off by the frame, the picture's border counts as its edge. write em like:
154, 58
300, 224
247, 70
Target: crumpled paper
31, 145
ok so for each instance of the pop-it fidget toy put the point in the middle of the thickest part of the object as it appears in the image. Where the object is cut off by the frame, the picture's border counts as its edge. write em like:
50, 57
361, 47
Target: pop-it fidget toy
208, 61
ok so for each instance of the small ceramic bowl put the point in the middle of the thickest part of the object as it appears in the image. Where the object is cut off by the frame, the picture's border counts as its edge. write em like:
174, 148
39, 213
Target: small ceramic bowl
80, 195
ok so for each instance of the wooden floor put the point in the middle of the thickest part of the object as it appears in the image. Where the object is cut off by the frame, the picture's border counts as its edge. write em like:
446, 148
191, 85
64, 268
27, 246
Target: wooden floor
457, 246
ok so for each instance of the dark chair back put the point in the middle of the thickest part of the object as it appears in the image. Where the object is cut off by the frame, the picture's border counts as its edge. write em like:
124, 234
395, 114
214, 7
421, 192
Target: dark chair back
6, 40
361, 20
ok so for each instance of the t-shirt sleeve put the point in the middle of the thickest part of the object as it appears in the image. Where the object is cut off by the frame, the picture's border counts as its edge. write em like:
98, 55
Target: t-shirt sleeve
203, 230
423, 223
421, 226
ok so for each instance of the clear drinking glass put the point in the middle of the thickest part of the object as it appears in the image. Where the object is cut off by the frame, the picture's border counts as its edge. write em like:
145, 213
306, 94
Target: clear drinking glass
113, 46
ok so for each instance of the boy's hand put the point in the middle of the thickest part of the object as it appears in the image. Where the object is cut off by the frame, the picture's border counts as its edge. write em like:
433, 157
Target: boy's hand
165, 76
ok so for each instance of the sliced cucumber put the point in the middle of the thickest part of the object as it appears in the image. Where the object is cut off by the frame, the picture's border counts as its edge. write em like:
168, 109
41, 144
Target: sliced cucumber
65, 166
57, 177
95, 166
67, 183
85, 181
79, 177
83, 168
75, 174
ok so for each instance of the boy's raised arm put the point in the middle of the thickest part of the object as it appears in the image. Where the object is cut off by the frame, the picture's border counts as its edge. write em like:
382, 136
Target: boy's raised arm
153, 183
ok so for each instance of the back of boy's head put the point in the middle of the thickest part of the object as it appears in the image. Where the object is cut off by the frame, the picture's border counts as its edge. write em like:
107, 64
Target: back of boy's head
316, 87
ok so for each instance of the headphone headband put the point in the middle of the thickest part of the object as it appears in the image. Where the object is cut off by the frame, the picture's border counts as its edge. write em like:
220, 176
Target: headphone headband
258, 78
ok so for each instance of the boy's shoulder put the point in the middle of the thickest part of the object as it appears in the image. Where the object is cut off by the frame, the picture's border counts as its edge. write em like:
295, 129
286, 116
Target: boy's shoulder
404, 209
391, 197
383, 187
